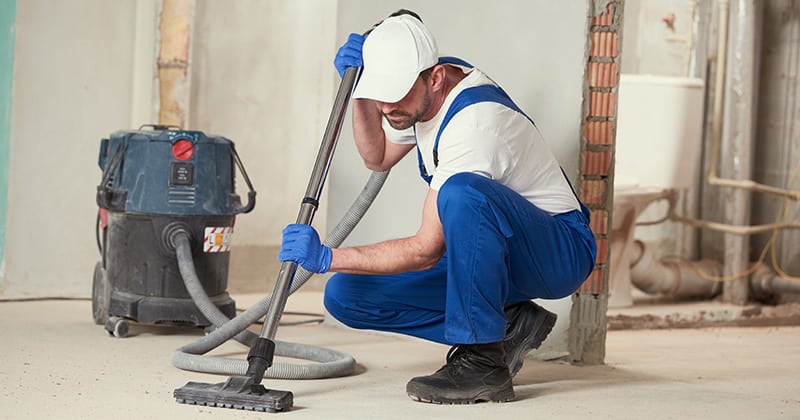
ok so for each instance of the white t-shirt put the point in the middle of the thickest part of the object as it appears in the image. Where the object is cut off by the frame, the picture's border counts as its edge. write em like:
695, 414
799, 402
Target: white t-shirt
495, 141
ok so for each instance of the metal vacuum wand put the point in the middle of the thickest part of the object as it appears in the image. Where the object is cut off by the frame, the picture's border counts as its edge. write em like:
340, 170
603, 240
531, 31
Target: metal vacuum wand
305, 216
246, 392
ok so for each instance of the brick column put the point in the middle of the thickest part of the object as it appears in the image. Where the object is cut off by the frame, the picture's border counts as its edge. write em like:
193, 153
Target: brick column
588, 318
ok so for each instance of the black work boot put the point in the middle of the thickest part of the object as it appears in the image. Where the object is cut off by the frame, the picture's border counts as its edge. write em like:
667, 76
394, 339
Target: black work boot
473, 373
528, 325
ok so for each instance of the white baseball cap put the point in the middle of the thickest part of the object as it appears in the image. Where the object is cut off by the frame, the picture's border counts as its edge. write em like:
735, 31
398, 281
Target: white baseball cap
394, 54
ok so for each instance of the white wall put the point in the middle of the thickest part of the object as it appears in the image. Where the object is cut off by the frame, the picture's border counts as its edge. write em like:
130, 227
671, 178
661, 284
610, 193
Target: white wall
72, 85
263, 77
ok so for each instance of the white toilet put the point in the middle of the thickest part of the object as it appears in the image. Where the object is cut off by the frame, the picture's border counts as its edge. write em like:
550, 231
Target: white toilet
657, 153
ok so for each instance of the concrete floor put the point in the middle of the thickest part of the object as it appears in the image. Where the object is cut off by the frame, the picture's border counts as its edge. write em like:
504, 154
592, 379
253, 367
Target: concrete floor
58, 364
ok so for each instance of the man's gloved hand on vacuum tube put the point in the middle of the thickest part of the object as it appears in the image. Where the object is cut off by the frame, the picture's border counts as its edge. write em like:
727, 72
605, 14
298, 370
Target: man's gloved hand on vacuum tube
301, 245
349, 54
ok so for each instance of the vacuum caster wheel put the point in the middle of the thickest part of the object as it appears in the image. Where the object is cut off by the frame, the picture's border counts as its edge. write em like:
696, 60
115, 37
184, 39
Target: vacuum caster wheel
116, 326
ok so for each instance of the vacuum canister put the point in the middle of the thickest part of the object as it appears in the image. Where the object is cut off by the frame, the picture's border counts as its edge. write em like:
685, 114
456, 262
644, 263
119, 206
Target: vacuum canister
154, 182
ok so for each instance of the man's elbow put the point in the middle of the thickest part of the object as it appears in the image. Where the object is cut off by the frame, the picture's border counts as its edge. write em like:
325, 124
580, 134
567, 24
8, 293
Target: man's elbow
430, 258
429, 263
376, 166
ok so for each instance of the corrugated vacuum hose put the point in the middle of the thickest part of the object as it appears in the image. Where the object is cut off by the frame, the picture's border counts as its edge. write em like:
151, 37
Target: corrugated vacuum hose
330, 363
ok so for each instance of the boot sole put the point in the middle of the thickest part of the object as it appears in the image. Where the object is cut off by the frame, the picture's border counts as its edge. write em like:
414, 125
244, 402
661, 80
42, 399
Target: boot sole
486, 395
542, 327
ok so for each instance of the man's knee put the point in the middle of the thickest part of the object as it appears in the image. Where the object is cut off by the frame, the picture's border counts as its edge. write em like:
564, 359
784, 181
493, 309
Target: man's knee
470, 198
334, 298
461, 189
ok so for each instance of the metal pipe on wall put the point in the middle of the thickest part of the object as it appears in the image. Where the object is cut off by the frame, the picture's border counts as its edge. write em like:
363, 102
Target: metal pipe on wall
736, 230
701, 23
738, 133
691, 39
694, 279
743, 20
765, 284
681, 279
719, 87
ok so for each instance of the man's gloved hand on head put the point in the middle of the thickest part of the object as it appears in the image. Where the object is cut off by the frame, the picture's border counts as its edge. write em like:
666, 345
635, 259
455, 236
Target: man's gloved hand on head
301, 245
349, 54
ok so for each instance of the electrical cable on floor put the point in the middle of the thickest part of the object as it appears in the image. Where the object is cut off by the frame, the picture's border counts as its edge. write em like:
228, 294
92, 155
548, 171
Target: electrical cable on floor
41, 298
317, 318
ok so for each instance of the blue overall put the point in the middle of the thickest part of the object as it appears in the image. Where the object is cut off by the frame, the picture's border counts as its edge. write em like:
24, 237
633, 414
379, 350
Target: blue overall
500, 249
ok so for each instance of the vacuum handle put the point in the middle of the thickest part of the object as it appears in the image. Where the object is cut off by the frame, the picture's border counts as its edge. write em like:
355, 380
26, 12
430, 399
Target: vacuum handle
161, 127
251, 193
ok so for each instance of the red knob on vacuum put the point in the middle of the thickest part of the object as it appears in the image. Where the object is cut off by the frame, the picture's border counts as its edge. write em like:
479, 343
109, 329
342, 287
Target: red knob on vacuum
182, 149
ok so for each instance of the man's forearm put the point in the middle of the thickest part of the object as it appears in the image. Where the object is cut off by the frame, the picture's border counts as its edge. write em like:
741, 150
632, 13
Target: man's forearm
389, 257
368, 134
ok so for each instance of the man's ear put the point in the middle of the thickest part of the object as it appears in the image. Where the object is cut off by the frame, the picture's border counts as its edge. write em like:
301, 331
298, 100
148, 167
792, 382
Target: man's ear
437, 78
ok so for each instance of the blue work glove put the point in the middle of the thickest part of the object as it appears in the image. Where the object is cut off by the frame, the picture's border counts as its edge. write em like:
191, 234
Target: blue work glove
301, 245
349, 54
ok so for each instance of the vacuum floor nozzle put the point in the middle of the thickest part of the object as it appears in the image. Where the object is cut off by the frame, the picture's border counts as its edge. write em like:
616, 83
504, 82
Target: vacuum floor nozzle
238, 392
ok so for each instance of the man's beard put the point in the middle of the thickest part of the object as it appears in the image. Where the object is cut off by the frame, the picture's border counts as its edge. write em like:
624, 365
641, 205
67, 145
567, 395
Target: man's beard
408, 119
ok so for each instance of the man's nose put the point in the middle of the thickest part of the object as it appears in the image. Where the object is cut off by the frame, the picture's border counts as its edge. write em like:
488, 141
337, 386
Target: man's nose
386, 107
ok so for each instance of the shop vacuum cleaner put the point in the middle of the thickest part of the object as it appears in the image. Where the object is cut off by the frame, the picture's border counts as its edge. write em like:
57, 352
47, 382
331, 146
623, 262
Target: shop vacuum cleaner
158, 184
167, 203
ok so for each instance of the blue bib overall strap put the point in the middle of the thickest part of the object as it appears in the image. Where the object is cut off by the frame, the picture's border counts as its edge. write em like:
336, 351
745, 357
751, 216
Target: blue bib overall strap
467, 97
471, 96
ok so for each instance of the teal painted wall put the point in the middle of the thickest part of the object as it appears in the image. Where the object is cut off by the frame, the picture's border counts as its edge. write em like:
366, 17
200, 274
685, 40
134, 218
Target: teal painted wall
7, 17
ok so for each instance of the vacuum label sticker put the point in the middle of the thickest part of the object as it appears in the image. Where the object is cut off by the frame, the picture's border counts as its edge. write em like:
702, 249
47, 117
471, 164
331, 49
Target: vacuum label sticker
181, 173
217, 239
